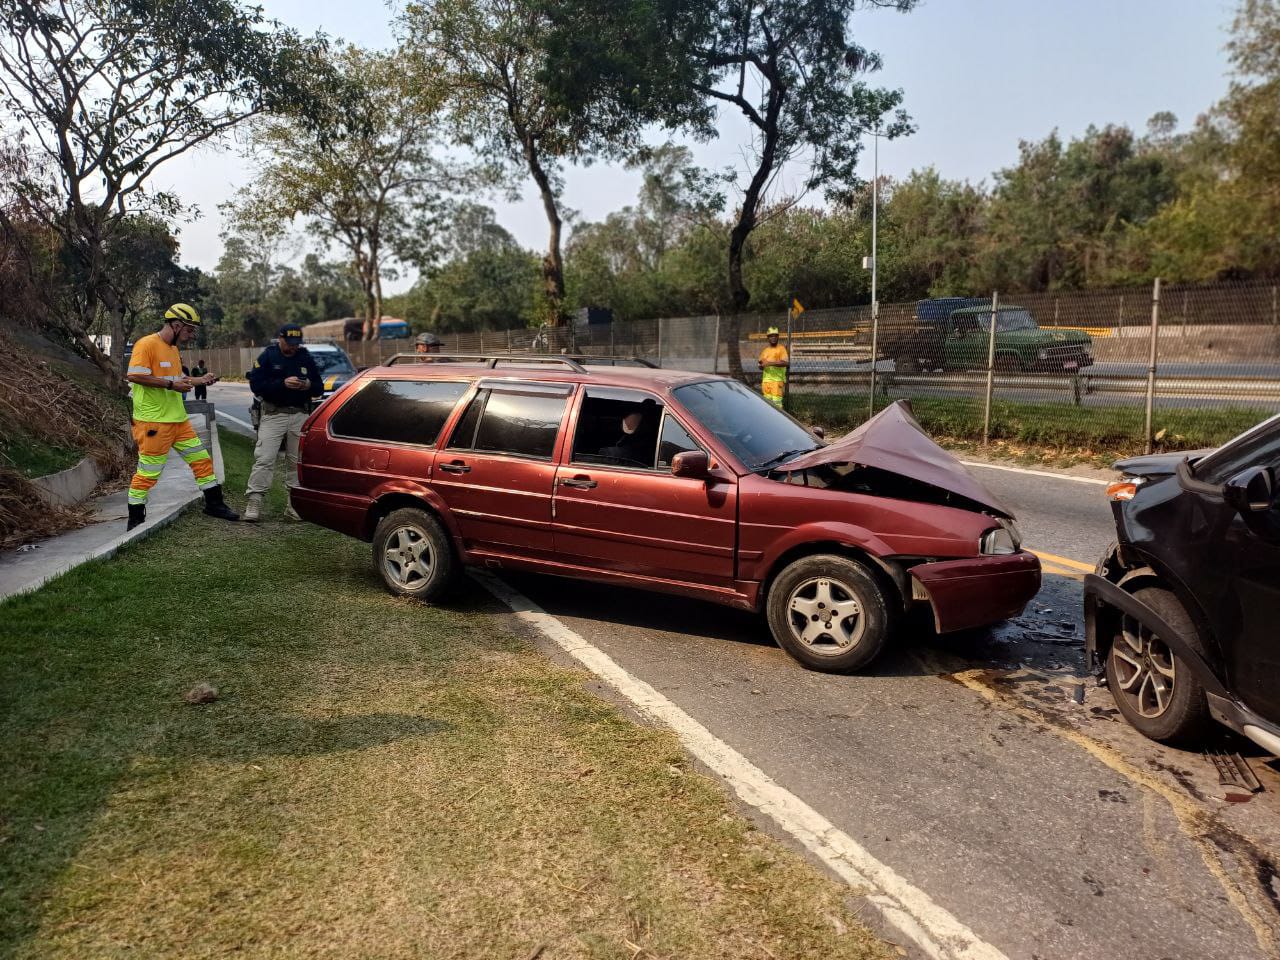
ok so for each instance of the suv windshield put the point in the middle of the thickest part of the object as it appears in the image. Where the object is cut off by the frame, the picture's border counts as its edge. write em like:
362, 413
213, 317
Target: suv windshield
1009, 320
1257, 447
758, 433
332, 361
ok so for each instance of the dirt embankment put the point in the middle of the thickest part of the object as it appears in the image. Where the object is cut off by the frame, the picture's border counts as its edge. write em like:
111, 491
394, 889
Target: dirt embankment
51, 401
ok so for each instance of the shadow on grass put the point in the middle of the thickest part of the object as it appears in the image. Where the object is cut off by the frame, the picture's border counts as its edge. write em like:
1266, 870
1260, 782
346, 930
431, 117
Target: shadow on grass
92, 669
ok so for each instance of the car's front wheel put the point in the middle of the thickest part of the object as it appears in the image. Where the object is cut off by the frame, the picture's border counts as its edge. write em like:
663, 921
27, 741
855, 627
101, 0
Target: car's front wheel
1154, 689
830, 612
412, 555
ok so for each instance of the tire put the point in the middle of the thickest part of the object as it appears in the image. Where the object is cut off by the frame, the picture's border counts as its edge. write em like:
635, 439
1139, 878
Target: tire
1008, 362
1153, 688
812, 586
904, 365
412, 554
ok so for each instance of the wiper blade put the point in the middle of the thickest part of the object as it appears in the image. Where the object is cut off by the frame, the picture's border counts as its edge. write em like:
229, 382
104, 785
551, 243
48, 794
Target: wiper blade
777, 461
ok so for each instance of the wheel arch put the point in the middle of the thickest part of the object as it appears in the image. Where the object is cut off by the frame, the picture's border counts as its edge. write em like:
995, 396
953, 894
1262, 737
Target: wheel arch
891, 574
388, 503
1131, 570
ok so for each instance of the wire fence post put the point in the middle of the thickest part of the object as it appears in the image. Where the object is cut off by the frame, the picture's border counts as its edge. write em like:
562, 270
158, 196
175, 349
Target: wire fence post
991, 368
659, 341
786, 384
715, 348
1274, 318
1151, 368
611, 350
875, 336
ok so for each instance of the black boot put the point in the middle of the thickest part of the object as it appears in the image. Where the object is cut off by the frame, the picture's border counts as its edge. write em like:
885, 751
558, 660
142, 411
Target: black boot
215, 506
137, 515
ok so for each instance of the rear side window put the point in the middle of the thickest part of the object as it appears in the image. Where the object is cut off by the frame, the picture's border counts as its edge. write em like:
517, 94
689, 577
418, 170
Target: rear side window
398, 411
521, 423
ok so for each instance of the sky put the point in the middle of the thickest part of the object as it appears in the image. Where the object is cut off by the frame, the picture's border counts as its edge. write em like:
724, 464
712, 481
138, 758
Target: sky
978, 76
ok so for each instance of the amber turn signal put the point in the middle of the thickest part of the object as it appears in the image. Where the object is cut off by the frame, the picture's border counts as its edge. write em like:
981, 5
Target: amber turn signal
1121, 490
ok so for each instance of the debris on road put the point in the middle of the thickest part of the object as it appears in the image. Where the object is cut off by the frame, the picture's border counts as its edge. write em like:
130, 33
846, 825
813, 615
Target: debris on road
1234, 774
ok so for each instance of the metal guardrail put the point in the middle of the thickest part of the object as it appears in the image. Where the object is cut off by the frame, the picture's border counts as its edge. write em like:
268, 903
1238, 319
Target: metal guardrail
1170, 387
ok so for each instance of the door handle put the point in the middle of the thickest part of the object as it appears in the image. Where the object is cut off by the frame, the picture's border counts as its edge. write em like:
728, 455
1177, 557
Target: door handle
578, 483
455, 468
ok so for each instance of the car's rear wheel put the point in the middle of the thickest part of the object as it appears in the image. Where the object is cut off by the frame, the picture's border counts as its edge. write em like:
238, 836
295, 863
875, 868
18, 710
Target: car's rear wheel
1153, 687
830, 612
412, 555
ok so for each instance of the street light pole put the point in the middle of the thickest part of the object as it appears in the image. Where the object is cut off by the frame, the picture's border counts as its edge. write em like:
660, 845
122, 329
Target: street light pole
875, 265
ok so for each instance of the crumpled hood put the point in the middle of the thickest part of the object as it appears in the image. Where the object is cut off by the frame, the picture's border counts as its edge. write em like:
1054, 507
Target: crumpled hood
892, 440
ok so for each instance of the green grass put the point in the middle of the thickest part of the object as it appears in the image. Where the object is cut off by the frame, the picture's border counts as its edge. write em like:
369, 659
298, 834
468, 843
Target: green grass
1055, 431
34, 458
377, 779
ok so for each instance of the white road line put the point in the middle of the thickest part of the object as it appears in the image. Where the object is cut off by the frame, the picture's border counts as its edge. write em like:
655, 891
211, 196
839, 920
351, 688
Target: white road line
1036, 473
936, 932
236, 420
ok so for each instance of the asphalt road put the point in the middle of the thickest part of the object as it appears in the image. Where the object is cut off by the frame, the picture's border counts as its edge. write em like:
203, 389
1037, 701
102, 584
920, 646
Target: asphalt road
965, 762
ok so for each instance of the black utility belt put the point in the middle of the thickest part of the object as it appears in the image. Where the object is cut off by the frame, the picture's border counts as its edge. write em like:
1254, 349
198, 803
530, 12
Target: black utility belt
269, 408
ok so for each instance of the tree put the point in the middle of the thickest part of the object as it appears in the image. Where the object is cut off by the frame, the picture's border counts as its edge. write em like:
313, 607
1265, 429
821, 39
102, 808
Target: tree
108, 92
790, 69
489, 57
367, 180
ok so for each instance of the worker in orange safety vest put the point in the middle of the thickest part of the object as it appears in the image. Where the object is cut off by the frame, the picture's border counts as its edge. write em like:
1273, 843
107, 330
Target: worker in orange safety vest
160, 418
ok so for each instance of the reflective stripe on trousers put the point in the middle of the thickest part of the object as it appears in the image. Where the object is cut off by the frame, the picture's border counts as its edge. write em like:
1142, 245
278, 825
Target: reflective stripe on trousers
154, 441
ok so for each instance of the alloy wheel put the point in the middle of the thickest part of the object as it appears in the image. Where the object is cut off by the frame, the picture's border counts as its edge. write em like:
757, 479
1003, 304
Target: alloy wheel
825, 616
408, 558
1145, 669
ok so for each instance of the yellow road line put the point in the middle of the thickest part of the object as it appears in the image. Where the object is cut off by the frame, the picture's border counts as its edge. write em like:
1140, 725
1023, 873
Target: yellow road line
1065, 562
1196, 823
1061, 571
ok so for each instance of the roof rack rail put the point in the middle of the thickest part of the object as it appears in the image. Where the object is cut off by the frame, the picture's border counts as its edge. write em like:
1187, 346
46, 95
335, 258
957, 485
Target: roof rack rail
490, 360
574, 361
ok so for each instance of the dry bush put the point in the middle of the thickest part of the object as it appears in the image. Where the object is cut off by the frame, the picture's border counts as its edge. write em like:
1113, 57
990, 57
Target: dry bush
44, 401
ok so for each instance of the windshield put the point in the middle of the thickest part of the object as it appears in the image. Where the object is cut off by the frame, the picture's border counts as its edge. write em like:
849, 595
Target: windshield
1257, 446
1009, 320
332, 361
758, 433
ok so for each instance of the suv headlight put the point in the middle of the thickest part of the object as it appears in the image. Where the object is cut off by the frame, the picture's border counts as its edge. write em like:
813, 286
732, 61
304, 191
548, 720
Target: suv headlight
1003, 540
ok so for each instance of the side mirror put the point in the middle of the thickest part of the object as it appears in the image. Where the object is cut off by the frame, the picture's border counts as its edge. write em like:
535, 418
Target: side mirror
693, 464
1250, 490
819, 433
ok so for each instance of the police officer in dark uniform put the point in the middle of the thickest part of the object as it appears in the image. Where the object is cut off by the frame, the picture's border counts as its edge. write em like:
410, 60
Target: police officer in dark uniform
287, 379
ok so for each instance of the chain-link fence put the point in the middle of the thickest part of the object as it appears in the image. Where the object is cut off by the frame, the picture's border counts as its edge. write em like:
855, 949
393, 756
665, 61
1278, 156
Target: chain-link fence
1168, 367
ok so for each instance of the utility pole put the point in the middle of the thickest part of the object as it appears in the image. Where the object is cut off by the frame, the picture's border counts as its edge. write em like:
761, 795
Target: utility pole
875, 303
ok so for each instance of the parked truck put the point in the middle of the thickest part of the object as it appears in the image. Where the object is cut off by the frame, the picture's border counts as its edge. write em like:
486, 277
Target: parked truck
954, 333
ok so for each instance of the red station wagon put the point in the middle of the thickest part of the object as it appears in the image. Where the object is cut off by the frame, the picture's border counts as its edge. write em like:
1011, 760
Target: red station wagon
662, 480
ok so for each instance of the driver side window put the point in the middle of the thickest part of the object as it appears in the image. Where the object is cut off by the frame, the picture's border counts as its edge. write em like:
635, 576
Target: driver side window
618, 428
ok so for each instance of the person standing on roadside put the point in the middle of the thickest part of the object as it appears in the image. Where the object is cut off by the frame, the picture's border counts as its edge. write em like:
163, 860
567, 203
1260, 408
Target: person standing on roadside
199, 372
427, 343
160, 419
773, 369
286, 378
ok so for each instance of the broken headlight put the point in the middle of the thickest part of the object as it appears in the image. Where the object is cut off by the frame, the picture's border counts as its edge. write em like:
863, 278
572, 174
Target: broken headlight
1003, 540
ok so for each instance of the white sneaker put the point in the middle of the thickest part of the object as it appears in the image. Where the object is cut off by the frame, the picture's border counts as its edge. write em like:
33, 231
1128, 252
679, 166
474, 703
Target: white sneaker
290, 513
253, 508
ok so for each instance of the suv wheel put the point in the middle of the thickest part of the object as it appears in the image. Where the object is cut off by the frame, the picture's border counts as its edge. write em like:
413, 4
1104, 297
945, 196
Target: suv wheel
830, 613
1154, 689
412, 555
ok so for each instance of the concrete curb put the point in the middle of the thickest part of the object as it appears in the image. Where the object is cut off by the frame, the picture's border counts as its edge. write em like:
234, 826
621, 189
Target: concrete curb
68, 487
123, 539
